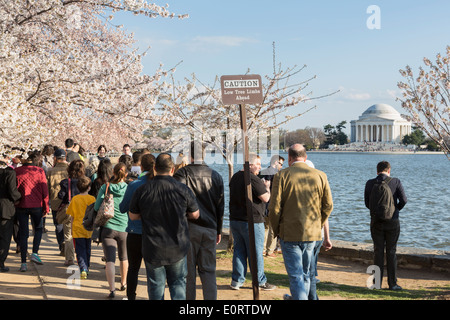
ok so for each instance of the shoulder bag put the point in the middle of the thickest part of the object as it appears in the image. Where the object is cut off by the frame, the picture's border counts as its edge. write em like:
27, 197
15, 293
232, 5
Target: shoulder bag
61, 215
106, 210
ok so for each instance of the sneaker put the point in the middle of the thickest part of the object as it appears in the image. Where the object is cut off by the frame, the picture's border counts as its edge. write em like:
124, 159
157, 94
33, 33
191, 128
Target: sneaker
267, 287
396, 288
234, 286
69, 263
4, 269
35, 258
23, 267
287, 297
83, 275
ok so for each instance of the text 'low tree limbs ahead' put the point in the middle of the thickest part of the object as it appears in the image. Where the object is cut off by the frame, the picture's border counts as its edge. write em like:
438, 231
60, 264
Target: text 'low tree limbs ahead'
241, 89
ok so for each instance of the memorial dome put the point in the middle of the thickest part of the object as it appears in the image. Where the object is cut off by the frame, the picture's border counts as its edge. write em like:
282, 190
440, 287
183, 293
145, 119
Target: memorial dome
381, 110
380, 123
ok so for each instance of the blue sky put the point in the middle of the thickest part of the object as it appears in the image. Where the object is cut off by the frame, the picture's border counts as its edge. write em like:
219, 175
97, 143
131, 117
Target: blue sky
330, 37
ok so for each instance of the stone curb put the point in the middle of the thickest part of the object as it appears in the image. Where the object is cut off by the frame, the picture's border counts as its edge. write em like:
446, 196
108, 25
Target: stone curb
407, 258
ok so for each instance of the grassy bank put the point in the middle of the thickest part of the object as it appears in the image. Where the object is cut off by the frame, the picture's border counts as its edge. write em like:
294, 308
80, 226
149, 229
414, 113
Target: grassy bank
276, 274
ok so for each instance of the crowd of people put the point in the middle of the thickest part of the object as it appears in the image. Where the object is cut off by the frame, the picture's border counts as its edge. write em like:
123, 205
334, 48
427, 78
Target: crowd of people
168, 216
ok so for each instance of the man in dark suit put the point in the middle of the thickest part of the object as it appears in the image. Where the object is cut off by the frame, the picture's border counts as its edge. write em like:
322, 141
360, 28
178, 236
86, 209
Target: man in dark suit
385, 233
8, 196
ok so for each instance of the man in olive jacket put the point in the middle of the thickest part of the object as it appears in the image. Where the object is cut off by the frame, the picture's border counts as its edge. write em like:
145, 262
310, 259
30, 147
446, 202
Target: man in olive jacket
54, 176
300, 204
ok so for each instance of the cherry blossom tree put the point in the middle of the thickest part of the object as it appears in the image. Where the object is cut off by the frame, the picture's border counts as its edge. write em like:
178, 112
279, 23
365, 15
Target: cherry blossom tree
67, 71
198, 109
426, 98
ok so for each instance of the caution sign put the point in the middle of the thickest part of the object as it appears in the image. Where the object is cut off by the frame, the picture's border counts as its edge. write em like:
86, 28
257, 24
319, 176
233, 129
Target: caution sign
241, 89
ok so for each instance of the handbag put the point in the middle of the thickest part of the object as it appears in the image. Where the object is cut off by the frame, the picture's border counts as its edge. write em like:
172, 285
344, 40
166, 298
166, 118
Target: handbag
61, 215
106, 210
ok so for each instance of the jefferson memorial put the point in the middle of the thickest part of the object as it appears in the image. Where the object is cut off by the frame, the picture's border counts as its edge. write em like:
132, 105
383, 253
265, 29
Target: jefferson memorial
380, 123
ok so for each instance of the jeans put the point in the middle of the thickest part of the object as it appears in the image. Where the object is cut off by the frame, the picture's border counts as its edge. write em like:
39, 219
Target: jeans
241, 252
83, 252
176, 280
36, 219
201, 258
297, 260
313, 272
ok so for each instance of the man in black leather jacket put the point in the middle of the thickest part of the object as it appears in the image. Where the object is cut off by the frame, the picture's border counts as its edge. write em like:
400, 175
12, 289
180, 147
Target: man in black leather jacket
204, 232
8, 196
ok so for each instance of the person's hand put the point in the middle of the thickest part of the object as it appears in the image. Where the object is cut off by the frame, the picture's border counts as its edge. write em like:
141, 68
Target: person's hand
327, 244
218, 239
266, 183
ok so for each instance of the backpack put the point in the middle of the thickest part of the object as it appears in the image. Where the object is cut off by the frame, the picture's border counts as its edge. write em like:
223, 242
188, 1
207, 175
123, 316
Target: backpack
381, 201
89, 217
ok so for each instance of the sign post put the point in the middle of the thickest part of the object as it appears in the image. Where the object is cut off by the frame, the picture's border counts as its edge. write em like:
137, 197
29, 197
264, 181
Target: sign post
241, 90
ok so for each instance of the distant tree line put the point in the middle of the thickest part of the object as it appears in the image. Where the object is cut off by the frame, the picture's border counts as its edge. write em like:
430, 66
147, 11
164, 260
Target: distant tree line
318, 138
418, 138
315, 138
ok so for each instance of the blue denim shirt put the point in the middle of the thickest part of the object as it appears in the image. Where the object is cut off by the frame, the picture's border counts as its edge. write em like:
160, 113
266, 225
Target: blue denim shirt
134, 226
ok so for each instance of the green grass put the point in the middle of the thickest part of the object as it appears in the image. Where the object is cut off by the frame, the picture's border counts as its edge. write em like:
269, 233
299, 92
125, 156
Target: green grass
362, 293
276, 274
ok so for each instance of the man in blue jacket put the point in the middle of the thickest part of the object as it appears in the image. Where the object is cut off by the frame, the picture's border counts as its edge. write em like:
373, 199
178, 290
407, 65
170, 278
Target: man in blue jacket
385, 233
134, 229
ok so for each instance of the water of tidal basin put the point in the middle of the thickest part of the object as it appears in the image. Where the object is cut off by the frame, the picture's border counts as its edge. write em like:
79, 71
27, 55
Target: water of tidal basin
424, 221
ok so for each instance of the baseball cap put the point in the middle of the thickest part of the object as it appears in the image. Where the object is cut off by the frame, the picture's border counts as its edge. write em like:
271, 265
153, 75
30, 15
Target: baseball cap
60, 153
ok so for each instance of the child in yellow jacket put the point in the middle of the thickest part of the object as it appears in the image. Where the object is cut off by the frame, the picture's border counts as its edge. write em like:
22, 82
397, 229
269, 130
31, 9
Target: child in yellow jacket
81, 237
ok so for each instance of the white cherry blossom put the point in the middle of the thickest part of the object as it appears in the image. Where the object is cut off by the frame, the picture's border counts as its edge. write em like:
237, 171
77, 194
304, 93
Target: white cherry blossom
66, 71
